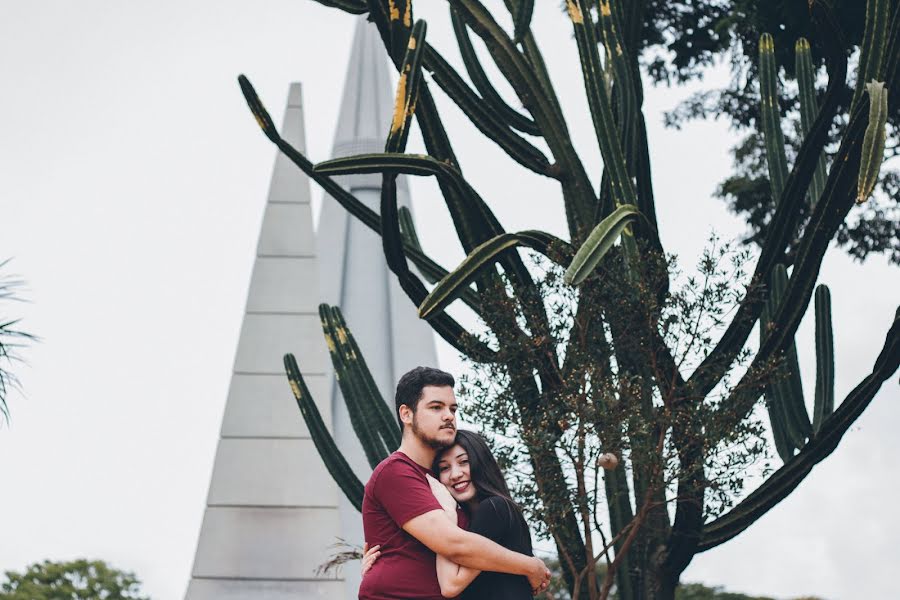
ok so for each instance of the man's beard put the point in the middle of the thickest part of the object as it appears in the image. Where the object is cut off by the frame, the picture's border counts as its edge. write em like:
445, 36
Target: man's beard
432, 442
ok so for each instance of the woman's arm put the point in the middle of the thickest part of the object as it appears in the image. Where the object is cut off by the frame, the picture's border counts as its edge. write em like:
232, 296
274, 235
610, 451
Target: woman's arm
452, 577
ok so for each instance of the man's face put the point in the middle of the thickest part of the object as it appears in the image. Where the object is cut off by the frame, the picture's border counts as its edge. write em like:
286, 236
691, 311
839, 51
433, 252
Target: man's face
434, 421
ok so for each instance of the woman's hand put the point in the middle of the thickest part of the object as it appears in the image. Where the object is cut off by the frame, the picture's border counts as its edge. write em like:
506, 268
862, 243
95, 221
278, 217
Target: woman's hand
443, 496
369, 556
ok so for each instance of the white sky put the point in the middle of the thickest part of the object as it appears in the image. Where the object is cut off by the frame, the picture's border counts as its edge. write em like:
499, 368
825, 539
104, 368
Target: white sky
132, 183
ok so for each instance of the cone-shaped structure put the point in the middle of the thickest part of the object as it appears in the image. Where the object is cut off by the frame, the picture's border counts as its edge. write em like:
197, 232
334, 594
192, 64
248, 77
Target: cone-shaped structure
272, 514
354, 274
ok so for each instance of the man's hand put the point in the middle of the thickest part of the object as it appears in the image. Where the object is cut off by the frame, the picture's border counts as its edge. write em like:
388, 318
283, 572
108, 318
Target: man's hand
539, 577
443, 496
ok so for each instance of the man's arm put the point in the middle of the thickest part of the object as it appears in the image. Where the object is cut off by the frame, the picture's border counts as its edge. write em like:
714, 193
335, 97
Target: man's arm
471, 550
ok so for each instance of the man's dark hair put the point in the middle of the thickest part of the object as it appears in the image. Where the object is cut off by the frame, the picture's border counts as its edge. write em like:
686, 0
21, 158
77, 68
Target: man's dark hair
410, 386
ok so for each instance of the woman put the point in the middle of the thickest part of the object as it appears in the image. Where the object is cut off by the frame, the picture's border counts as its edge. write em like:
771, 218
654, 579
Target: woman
471, 475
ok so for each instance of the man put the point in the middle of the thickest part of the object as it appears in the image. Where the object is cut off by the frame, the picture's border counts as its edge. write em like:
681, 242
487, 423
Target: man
403, 517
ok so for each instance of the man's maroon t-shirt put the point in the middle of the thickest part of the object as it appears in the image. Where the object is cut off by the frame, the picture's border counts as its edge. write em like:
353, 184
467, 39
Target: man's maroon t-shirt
397, 492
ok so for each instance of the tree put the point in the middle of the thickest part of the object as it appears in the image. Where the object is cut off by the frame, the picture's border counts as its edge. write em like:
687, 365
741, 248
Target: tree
74, 580
605, 365
11, 339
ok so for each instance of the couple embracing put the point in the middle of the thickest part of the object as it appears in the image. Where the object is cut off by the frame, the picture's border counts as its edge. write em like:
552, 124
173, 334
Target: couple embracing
437, 515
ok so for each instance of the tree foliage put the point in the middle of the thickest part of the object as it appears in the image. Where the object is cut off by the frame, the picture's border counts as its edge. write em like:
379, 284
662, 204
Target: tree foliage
12, 339
72, 580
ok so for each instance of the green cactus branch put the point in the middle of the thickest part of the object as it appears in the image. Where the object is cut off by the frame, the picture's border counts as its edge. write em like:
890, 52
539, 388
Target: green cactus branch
809, 107
828, 213
504, 113
334, 461
531, 91
484, 257
784, 221
872, 50
823, 405
481, 115
873, 142
822, 444
356, 393
770, 116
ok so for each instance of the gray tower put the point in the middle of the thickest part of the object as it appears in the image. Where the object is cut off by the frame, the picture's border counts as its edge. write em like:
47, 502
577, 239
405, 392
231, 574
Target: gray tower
353, 271
272, 510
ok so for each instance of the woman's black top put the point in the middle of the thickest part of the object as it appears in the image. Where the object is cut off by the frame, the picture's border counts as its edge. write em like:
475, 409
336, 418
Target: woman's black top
500, 521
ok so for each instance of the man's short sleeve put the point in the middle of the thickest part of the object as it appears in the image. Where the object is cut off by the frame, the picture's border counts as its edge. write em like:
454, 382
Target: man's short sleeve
404, 492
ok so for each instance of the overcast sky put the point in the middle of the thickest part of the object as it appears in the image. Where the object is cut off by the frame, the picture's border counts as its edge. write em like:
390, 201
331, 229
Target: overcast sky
132, 183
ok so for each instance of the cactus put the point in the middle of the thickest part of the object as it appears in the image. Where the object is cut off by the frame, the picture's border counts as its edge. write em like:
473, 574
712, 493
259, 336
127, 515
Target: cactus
824, 399
631, 365
873, 142
874, 46
770, 115
785, 396
808, 108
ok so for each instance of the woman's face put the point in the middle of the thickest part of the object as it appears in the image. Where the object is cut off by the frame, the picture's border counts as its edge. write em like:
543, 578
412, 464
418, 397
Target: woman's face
453, 469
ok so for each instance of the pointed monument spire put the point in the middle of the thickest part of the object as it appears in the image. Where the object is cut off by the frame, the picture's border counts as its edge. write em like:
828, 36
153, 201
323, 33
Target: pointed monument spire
271, 513
354, 274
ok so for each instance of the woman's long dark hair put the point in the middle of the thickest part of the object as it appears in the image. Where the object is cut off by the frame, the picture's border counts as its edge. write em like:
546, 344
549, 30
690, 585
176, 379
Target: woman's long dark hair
483, 469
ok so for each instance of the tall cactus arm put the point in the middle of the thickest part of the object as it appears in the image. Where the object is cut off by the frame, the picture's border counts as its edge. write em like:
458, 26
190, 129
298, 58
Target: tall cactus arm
784, 222
504, 112
874, 44
784, 480
599, 105
873, 142
625, 88
824, 399
806, 79
770, 115
578, 192
790, 388
375, 410
522, 14
892, 56
407, 89
334, 461
778, 418
392, 239
356, 394
480, 114
827, 216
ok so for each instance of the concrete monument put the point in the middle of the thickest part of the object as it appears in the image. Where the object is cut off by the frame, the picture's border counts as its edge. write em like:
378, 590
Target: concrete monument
273, 511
